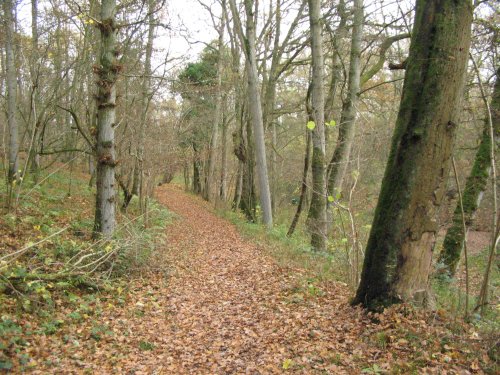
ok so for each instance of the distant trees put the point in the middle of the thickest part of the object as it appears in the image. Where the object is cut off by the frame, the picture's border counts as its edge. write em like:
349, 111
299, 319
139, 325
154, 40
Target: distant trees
399, 250
288, 109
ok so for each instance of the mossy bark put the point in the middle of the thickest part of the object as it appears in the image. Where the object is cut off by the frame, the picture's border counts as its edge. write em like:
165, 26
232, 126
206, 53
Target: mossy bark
399, 250
317, 222
475, 186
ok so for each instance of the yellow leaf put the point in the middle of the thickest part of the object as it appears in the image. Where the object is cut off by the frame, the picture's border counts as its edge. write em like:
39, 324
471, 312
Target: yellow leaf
287, 363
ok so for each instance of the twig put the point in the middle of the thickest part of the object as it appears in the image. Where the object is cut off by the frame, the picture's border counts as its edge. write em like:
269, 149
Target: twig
464, 228
18, 253
483, 295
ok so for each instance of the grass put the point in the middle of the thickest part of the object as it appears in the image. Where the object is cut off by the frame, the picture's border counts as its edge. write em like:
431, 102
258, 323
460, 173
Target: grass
292, 252
29, 298
295, 253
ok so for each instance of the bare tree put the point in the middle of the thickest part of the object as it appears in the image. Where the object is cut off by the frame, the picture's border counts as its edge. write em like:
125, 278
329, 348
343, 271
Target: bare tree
247, 40
317, 210
12, 174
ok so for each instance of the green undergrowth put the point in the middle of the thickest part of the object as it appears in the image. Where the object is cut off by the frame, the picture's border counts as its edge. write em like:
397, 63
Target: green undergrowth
49, 262
292, 252
450, 297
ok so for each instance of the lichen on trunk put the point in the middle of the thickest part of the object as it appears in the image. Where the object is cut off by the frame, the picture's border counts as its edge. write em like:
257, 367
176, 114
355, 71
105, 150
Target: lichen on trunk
399, 250
107, 71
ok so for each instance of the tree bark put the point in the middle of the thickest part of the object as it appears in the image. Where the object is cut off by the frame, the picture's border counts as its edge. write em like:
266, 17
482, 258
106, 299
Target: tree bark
303, 187
107, 72
196, 170
475, 186
340, 159
223, 173
11, 73
34, 158
146, 98
336, 67
399, 250
317, 221
255, 107
217, 116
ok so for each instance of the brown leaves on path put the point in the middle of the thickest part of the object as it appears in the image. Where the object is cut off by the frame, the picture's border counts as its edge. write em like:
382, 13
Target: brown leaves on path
214, 303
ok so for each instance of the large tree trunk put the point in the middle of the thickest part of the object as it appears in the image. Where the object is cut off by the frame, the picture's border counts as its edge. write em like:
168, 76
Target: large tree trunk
317, 211
399, 250
474, 190
106, 103
340, 159
12, 175
255, 107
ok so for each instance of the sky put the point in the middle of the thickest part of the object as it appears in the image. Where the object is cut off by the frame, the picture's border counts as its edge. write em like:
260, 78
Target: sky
192, 27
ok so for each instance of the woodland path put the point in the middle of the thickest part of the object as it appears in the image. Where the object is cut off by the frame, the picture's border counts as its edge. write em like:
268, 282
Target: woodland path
215, 303
231, 309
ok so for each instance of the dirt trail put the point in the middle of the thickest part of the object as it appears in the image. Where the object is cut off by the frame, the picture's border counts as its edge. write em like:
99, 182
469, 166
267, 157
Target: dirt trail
232, 309
214, 303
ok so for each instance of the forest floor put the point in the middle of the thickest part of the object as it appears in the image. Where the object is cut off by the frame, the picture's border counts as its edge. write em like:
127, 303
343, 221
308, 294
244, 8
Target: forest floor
212, 302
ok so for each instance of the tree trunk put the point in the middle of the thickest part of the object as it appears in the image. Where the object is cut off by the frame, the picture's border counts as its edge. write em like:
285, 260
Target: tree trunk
196, 170
399, 250
340, 159
214, 141
317, 222
475, 186
11, 79
337, 65
223, 173
146, 98
34, 158
107, 72
303, 188
255, 107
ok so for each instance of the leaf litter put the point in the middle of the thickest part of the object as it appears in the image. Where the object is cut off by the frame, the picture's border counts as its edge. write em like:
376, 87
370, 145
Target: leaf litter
214, 303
